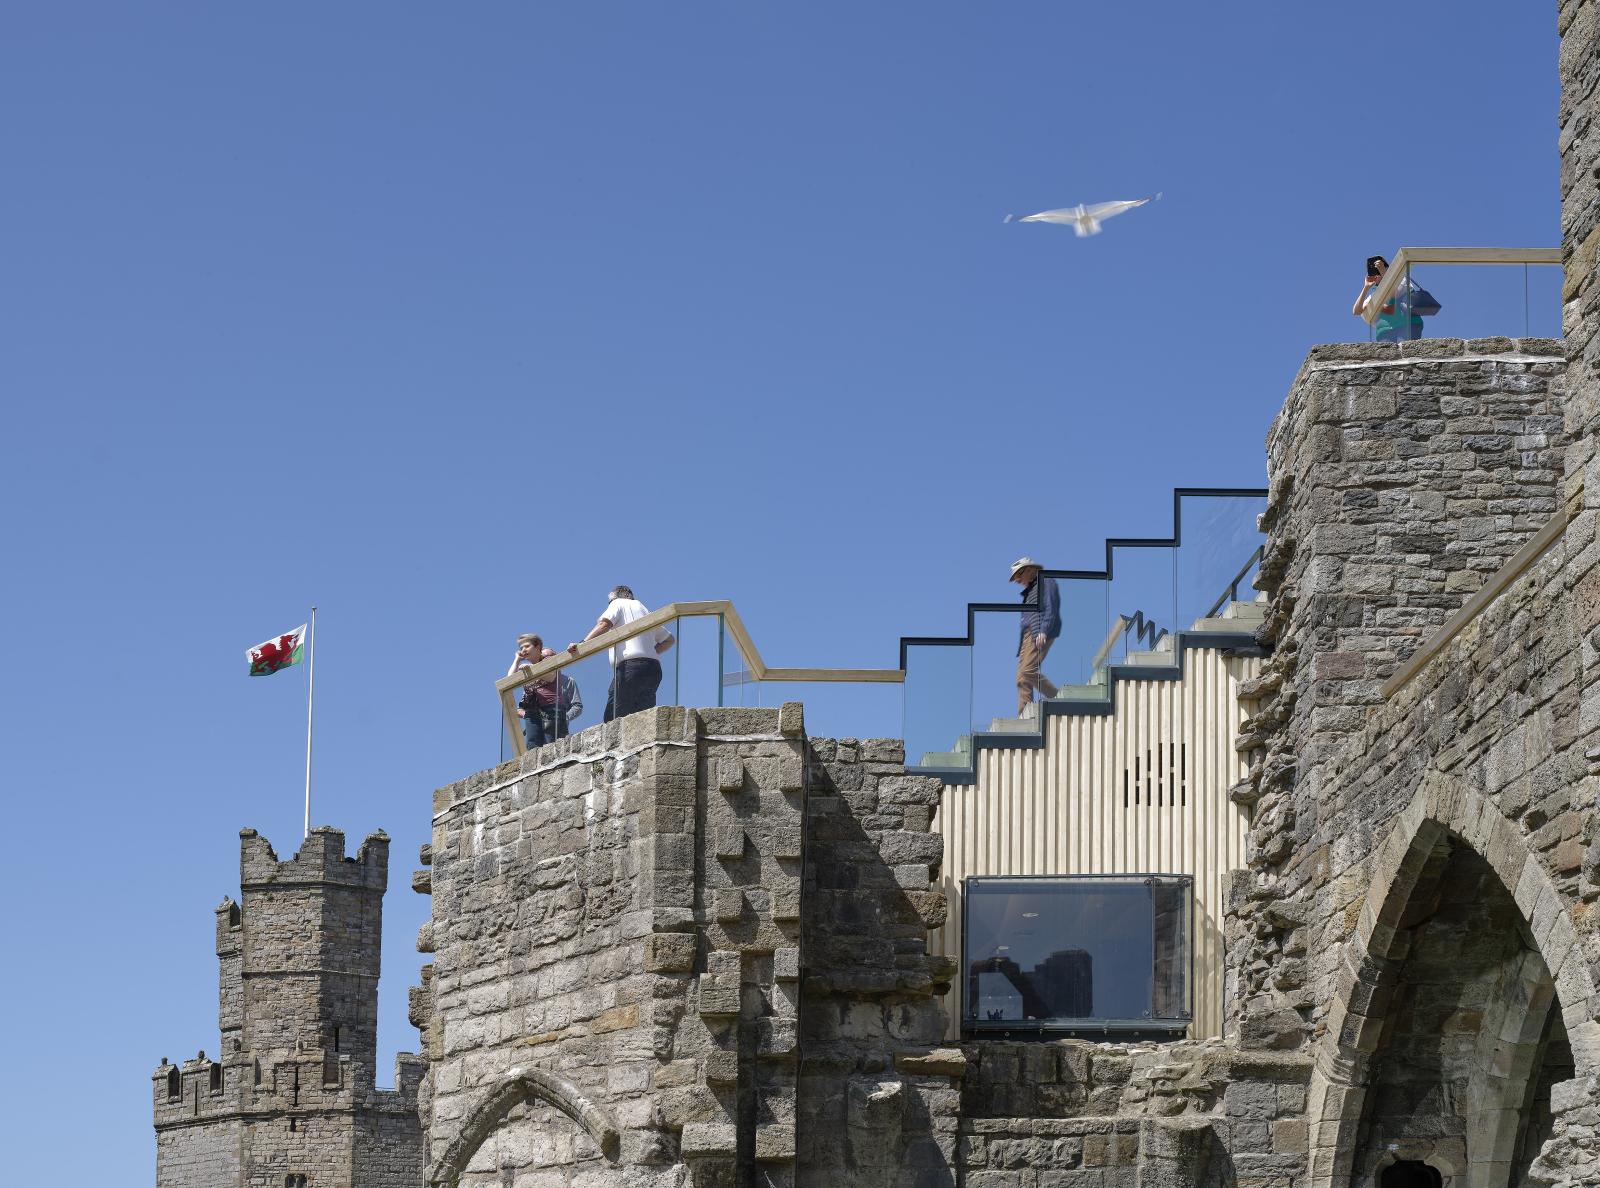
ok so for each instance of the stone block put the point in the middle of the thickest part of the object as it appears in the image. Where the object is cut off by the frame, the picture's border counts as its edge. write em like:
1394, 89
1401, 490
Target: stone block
1290, 1136
718, 1001
673, 852
900, 847
785, 903
777, 1039
774, 1142
728, 904
709, 1138
786, 841
791, 773
1251, 1099
786, 964
913, 877
939, 1062
722, 1067
670, 952
729, 774
729, 840
791, 720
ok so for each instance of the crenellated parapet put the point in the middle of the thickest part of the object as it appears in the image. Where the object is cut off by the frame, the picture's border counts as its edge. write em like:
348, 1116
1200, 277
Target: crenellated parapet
320, 861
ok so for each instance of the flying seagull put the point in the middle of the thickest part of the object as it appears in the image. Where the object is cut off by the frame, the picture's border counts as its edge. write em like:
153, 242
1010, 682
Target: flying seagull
1085, 220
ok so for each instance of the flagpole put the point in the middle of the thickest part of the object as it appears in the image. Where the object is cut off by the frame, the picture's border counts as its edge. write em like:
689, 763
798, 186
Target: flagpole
311, 685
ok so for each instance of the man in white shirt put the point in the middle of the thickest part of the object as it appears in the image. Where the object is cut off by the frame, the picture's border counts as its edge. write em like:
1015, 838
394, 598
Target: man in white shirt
635, 669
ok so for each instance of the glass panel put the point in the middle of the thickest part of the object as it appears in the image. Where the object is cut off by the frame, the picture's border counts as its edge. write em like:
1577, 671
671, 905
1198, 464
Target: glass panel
1475, 301
667, 694
698, 673
1089, 953
1073, 663
937, 699
995, 636
738, 683
1217, 557
584, 686
1171, 901
1142, 606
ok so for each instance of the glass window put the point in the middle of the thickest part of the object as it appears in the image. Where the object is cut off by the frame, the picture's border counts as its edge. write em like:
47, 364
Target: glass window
1086, 953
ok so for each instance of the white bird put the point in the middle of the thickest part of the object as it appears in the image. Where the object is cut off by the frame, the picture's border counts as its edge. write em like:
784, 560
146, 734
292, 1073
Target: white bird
1084, 220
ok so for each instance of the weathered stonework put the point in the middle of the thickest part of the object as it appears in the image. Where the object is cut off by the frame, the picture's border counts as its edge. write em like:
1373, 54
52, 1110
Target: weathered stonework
588, 955
691, 945
621, 913
293, 1093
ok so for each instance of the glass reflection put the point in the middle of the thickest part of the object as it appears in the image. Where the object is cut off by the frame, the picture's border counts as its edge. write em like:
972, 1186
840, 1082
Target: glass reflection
1088, 953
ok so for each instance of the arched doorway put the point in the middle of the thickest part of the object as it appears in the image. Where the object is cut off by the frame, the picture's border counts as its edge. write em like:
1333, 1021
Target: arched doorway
1446, 1032
1470, 1036
530, 1121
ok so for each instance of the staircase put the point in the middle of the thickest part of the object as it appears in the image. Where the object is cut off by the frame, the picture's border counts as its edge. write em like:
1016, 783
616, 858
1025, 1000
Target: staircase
1162, 659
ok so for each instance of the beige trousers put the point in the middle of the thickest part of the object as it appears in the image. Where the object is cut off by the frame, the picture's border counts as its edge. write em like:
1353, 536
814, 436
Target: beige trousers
1029, 677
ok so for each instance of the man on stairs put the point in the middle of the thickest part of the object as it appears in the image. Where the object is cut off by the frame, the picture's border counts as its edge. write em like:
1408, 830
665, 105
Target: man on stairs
1041, 624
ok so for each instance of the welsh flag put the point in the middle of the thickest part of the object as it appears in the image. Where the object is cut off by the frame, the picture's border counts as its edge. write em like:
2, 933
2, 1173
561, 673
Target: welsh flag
289, 648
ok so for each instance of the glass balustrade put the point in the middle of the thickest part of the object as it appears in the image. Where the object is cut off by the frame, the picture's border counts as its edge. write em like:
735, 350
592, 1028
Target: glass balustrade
961, 694
1440, 300
1142, 613
1073, 664
702, 647
1218, 556
937, 701
956, 692
704, 667
739, 684
995, 638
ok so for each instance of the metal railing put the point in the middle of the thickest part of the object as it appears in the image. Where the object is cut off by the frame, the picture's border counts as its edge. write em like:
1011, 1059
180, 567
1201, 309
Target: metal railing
755, 669
1144, 632
1231, 594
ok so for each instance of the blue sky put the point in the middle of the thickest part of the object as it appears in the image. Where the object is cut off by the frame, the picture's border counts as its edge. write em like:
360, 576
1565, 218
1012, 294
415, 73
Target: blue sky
449, 317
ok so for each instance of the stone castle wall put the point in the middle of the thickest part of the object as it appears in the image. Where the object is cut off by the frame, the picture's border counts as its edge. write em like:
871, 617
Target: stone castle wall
616, 937
622, 985
1416, 914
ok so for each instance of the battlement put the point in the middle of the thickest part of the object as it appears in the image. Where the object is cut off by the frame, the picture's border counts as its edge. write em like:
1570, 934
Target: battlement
320, 860
202, 1089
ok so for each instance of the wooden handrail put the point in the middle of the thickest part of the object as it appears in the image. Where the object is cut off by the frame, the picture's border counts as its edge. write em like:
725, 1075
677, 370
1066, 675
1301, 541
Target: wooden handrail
1380, 296
506, 687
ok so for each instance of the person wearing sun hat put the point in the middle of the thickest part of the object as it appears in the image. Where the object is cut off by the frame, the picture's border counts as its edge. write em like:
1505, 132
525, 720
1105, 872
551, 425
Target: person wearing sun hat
1041, 624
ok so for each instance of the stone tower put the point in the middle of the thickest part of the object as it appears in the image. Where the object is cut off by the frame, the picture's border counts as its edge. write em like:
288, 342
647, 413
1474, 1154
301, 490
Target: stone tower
292, 1098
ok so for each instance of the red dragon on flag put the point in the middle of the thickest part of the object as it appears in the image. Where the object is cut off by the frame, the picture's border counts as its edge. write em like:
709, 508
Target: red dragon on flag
269, 657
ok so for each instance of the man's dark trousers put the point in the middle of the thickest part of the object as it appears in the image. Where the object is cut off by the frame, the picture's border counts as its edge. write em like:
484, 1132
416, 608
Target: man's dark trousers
633, 687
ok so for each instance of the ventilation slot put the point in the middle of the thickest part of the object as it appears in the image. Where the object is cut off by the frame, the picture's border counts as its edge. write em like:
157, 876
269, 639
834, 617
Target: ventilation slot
1159, 778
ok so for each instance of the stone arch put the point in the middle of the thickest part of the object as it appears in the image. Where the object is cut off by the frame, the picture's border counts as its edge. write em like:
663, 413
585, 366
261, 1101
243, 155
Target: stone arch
1440, 809
514, 1087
